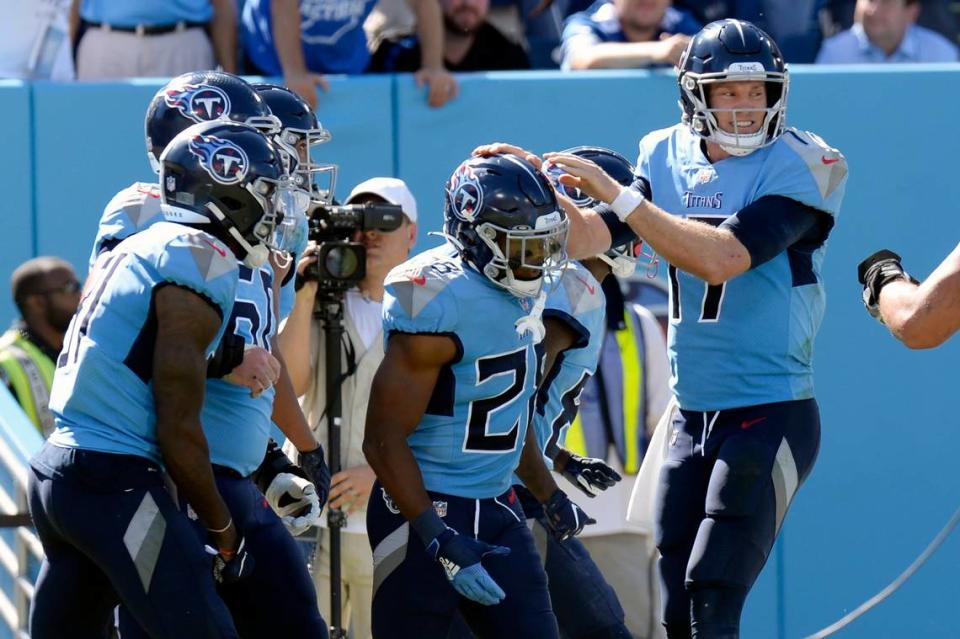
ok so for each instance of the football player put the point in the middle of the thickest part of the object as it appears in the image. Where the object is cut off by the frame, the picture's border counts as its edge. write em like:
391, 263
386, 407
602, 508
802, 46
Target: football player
740, 205
279, 597
127, 397
449, 410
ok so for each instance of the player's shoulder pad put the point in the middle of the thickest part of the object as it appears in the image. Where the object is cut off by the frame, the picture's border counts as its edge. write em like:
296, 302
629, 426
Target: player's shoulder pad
193, 259
649, 142
419, 293
824, 168
577, 293
139, 202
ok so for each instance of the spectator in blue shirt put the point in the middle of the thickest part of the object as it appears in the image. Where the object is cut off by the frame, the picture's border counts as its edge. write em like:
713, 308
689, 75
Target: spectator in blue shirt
886, 31
626, 34
152, 38
303, 39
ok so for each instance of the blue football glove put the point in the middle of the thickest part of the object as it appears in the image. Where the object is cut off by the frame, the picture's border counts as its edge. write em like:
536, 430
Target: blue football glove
460, 558
314, 466
590, 475
564, 518
231, 569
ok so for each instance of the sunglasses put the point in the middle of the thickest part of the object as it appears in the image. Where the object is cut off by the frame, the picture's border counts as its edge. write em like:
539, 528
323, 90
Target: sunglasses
71, 288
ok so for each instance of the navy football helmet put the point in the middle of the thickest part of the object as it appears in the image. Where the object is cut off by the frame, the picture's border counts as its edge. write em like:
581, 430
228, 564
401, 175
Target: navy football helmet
504, 218
228, 179
732, 51
622, 259
202, 96
300, 131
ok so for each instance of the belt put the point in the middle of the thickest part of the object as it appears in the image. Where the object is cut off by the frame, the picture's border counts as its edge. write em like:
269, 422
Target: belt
148, 30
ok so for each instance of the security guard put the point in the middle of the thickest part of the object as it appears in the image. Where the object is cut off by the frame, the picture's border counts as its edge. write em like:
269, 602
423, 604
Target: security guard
46, 291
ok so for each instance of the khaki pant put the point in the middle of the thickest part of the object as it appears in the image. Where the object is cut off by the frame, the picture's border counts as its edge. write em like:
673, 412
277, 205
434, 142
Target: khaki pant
109, 55
356, 571
628, 563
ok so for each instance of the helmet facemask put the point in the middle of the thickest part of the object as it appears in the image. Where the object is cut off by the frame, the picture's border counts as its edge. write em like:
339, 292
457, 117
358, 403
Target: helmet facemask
317, 178
282, 225
694, 88
522, 257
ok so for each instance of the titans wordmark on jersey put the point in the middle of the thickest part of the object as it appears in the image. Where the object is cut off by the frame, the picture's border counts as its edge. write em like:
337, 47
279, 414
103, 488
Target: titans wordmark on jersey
750, 340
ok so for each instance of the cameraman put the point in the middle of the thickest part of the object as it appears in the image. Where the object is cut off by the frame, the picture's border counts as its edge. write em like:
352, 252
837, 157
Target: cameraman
302, 344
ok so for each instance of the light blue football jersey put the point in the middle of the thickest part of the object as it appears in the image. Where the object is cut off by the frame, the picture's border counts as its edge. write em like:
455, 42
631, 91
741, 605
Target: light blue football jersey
130, 211
750, 340
580, 303
469, 440
102, 397
237, 426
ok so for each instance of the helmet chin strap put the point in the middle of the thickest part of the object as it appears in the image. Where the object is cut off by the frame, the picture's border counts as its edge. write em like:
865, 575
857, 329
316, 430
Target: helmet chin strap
533, 323
256, 256
620, 266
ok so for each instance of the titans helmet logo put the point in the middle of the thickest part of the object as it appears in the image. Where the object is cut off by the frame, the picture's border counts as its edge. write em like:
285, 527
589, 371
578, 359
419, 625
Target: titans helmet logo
198, 102
223, 160
578, 197
466, 196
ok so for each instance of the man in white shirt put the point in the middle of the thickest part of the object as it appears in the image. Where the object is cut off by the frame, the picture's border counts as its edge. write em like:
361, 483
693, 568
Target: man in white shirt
302, 344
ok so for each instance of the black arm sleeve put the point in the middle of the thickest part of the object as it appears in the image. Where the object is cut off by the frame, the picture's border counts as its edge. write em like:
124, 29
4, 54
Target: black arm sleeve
774, 223
619, 231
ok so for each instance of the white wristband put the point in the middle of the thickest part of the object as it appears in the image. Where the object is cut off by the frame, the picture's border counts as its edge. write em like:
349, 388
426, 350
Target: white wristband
626, 203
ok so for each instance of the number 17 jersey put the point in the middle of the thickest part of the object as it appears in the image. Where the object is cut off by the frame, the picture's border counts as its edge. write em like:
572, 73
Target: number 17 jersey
750, 340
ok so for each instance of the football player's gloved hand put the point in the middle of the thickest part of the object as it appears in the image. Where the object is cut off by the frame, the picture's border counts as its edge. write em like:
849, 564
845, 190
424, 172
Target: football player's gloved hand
314, 465
295, 500
460, 557
590, 475
874, 273
231, 566
564, 518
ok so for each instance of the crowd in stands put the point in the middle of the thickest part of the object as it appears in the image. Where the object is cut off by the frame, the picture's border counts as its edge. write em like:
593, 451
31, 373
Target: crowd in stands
101, 40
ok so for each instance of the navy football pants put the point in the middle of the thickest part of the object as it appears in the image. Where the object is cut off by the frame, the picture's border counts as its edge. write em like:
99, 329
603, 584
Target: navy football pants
726, 484
112, 533
412, 598
278, 598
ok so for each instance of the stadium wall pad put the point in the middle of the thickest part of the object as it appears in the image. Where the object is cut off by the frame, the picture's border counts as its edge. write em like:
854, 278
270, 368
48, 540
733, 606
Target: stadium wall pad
886, 480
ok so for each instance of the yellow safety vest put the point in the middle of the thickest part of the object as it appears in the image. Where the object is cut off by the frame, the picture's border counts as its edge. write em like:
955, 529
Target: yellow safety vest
30, 373
632, 391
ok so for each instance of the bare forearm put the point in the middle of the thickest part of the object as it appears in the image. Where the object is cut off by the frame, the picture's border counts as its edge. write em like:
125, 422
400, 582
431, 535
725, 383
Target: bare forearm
617, 55
429, 32
223, 33
927, 315
712, 254
295, 343
287, 413
187, 459
286, 35
393, 462
533, 471
588, 235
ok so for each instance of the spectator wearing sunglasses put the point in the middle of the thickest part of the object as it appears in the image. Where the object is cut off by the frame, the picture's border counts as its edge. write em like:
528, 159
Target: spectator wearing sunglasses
46, 291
